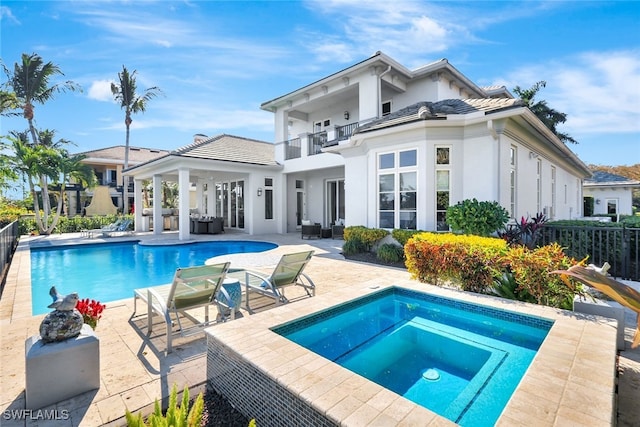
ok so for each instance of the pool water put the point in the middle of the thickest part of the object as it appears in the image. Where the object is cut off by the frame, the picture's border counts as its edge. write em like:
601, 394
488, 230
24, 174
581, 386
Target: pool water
109, 272
460, 360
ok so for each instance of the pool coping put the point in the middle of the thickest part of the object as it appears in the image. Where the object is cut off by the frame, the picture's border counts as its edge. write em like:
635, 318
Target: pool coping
559, 387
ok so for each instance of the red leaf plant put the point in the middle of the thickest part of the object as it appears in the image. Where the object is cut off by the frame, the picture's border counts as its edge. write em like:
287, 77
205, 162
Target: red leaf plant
91, 311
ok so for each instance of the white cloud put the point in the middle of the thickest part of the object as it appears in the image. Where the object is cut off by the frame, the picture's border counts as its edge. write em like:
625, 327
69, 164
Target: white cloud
598, 91
100, 90
5, 13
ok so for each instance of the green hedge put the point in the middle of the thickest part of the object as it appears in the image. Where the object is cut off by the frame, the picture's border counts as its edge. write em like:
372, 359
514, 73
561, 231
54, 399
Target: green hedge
27, 225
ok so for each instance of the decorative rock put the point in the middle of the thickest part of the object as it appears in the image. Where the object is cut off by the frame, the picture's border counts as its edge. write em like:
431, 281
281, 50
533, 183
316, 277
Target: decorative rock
61, 325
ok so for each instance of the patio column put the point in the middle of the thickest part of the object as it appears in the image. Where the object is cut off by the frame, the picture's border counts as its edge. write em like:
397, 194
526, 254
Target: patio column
183, 204
211, 196
199, 193
137, 204
158, 225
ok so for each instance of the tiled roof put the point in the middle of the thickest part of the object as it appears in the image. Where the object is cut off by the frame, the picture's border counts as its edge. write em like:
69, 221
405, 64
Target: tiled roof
136, 154
434, 110
232, 149
606, 178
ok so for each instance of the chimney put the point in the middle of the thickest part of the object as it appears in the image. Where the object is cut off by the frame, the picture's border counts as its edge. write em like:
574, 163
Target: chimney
199, 137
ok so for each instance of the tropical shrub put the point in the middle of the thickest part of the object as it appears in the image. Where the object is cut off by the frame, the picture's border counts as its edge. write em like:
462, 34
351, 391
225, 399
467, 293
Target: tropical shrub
10, 212
470, 262
176, 416
368, 236
474, 217
390, 253
27, 225
527, 232
402, 235
531, 269
353, 246
507, 287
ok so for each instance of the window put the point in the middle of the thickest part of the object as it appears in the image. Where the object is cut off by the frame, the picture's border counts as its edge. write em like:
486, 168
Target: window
397, 189
268, 198
326, 123
513, 173
443, 186
386, 108
612, 206
335, 200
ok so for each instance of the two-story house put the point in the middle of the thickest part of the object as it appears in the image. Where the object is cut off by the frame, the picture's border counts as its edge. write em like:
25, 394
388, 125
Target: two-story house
379, 145
107, 164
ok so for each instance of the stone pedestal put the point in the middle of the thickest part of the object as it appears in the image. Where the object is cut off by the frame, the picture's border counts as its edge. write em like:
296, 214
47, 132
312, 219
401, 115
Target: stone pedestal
60, 370
610, 309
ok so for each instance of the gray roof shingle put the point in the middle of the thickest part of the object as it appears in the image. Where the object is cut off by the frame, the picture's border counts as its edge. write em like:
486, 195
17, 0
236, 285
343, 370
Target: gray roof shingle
606, 178
438, 110
232, 149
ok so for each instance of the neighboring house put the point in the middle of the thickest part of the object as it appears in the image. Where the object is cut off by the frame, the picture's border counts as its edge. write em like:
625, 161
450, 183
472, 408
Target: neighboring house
612, 193
107, 164
379, 145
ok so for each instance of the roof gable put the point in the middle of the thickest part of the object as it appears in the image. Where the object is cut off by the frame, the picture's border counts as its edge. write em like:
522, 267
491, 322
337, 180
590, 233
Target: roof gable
116, 153
230, 148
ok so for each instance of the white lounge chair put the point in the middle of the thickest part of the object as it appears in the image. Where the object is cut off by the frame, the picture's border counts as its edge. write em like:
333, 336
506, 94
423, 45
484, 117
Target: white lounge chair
121, 228
109, 227
192, 287
288, 272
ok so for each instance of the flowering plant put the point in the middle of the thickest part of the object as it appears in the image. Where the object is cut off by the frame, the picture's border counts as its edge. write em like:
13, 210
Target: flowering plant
91, 311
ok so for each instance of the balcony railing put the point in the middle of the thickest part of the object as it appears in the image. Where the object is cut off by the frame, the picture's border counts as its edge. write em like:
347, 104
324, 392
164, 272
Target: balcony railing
292, 149
316, 141
345, 132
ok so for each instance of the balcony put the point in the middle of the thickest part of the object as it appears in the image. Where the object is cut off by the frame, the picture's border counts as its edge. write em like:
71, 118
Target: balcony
315, 143
292, 149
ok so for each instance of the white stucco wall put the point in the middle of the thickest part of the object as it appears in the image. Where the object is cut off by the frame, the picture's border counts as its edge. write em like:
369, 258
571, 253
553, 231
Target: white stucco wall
623, 195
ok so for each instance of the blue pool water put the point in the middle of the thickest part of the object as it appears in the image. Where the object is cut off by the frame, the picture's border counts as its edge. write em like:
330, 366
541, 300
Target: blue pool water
109, 272
460, 360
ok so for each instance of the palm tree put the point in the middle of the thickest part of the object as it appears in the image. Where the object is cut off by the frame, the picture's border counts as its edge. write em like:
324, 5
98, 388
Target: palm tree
29, 82
49, 160
550, 117
125, 92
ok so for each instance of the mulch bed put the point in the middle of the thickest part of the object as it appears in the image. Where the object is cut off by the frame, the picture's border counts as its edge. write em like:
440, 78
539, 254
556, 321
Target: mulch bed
371, 258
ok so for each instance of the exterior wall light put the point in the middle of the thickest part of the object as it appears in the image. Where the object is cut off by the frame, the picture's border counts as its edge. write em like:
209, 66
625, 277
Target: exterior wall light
346, 115
259, 191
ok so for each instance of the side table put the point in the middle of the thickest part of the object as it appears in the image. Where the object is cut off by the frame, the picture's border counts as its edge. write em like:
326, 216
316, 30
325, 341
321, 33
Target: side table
230, 297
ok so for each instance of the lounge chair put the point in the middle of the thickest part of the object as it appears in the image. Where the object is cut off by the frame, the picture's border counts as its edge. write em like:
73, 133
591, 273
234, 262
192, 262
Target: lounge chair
192, 287
288, 272
109, 227
122, 227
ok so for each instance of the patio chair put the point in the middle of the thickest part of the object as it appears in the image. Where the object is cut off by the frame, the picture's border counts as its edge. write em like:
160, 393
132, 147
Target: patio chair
192, 287
122, 227
310, 229
288, 272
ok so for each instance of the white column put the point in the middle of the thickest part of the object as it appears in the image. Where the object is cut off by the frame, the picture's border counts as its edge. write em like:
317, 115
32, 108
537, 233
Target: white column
199, 192
211, 197
158, 225
137, 203
183, 204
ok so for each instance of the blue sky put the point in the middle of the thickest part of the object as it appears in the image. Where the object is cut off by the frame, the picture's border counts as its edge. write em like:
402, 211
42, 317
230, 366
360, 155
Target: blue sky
216, 62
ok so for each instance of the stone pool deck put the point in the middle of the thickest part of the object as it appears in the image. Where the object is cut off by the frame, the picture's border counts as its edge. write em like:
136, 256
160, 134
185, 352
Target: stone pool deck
573, 377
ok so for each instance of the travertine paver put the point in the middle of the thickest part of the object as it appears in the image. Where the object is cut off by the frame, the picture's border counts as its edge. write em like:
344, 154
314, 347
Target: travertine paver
134, 370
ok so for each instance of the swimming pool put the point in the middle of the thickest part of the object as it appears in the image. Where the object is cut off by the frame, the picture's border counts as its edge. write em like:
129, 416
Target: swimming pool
110, 271
460, 360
